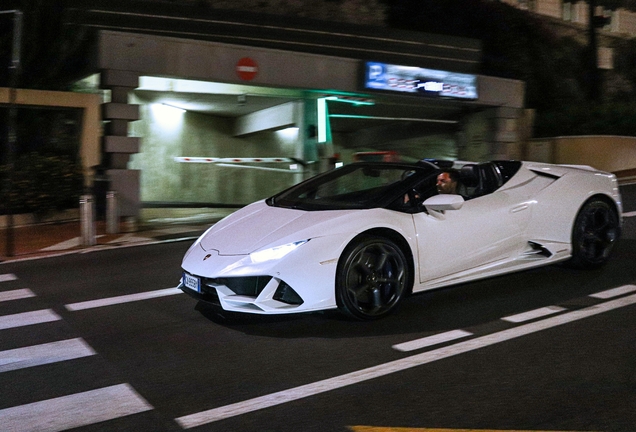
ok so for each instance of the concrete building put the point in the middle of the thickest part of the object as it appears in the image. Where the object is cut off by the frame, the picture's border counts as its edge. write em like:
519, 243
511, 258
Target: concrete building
220, 108
622, 22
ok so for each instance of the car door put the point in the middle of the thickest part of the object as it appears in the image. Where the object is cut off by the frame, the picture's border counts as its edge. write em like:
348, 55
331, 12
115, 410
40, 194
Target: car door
484, 231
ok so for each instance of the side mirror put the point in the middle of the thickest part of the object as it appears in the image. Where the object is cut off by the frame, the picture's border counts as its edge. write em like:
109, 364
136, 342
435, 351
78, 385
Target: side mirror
444, 202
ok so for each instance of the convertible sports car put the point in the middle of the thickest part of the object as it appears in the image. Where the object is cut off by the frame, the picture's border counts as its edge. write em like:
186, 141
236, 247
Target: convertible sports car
362, 237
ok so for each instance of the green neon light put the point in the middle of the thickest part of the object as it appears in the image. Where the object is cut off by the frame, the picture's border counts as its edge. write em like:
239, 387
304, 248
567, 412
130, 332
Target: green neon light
322, 120
365, 117
351, 101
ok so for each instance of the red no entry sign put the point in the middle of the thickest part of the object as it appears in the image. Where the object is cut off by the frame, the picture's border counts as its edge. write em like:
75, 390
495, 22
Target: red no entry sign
246, 69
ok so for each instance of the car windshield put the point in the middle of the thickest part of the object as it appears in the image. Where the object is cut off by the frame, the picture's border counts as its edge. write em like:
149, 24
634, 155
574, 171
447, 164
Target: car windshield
355, 186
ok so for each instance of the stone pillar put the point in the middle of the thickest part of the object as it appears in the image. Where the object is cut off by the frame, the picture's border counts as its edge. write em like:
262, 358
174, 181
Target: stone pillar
492, 134
117, 146
308, 134
505, 141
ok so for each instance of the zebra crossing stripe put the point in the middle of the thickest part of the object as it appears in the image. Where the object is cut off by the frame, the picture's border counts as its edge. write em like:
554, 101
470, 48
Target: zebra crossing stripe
75, 410
16, 294
7, 277
122, 299
28, 318
47, 353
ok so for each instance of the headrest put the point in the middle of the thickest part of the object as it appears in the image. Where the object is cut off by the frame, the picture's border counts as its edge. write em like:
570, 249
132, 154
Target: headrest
469, 175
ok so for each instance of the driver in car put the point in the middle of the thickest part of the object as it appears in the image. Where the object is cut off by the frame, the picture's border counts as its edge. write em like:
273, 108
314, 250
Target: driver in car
447, 182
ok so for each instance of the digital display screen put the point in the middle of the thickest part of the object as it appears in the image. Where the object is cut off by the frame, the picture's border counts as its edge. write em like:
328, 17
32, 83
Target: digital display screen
428, 82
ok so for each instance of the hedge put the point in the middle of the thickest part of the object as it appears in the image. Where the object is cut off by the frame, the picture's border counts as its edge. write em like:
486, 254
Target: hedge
42, 184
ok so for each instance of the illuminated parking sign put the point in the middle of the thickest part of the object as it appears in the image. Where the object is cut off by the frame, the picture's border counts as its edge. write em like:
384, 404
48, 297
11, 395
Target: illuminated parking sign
430, 82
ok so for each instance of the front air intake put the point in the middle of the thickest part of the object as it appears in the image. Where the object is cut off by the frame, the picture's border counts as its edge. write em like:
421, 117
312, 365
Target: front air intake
286, 294
246, 286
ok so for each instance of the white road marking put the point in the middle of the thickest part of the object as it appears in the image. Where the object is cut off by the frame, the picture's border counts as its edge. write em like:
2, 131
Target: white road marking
47, 353
75, 410
122, 299
28, 318
7, 277
16, 294
215, 414
432, 340
129, 238
533, 314
614, 292
629, 214
67, 244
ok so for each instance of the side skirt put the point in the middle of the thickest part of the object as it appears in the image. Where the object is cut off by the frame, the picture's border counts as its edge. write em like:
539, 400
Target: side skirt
490, 270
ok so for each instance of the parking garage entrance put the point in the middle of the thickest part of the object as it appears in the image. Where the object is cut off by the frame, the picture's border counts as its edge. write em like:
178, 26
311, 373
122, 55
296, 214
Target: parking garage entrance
208, 123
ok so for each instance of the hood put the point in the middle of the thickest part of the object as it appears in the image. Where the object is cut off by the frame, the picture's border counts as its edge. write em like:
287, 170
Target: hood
259, 225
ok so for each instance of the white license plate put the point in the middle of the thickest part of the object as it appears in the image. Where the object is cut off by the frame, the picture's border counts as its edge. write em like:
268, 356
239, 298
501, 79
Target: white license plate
192, 282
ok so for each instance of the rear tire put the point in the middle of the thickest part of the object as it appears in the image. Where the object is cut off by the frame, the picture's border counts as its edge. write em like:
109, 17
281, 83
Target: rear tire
596, 230
372, 277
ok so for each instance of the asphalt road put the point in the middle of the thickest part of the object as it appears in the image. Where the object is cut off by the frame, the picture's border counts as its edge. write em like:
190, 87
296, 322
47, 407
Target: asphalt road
165, 364
102, 341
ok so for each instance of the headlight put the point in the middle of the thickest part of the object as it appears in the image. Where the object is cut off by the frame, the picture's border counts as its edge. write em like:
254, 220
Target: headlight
275, 253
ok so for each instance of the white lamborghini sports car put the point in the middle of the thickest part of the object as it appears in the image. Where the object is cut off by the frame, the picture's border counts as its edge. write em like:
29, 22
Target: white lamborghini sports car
362, 237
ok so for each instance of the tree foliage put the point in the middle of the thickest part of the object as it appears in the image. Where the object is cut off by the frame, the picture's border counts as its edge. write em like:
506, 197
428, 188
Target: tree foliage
43, 184
47, 174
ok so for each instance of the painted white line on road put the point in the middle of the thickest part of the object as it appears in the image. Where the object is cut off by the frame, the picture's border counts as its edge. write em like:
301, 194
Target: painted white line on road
629, 214
614, 292
122, 299
28, 318
73, 411
432, 340
67, 244
220, 413
7, 277
47, 353
16, 294
533, 314
129, 238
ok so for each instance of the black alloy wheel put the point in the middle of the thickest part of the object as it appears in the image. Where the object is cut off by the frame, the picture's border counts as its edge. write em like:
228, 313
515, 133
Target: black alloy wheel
596, 230
372, 277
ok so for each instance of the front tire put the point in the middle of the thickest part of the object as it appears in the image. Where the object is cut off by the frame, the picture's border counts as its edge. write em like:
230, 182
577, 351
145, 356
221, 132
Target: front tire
596, 230
372, 277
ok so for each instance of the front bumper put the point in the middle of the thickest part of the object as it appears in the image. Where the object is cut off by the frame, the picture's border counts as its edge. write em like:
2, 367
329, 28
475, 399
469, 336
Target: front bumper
210, 296
256, 294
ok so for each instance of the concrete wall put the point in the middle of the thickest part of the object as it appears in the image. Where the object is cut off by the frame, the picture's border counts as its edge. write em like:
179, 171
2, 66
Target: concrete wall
475, 142
217, 62
608, 153
624, 21
171, 134
551, 8
433, 146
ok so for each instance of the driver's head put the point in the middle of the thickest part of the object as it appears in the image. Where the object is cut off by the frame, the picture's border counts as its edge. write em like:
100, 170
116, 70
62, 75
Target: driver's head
447, 183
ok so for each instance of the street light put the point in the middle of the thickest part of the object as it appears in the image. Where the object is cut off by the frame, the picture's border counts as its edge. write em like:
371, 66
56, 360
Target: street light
14, 71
